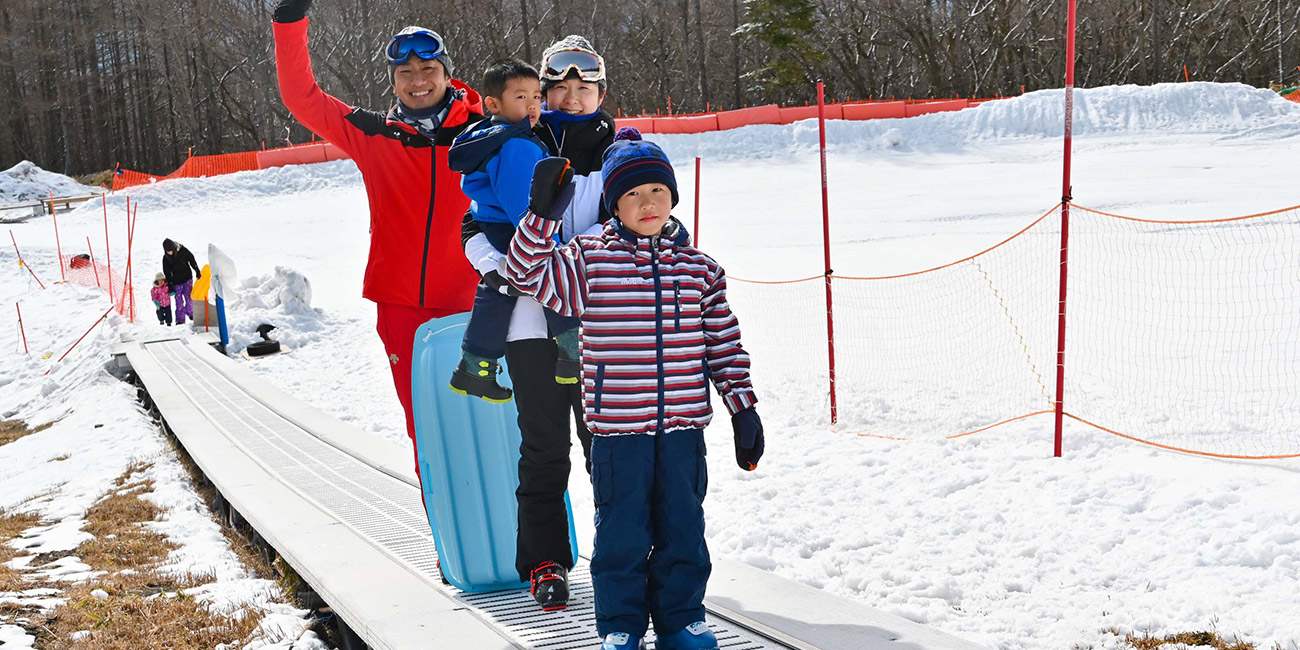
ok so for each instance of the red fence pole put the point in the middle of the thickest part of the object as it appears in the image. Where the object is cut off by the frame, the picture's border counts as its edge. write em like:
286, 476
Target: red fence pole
20, 328
697, 202
92, 262
83, 336
826, 245
57, 245
1066, 197
22, 262
108, 254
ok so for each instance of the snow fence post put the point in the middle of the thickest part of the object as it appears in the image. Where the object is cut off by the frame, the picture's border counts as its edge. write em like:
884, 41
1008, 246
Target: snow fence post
1066, 197
826, 245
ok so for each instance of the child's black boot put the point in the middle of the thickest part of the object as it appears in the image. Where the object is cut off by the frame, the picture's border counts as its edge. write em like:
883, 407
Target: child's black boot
568, 367
477, 376
549, 585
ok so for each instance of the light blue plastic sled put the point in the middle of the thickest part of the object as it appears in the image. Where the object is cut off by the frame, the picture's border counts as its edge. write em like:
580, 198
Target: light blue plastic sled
469, 466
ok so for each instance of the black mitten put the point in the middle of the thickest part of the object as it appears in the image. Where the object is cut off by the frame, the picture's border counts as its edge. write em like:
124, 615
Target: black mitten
552, 188
495, 282
749, 438
291, 11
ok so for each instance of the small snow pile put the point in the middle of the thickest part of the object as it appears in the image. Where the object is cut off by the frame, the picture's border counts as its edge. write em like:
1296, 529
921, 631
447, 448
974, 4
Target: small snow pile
27, 182
282, 299
1199, 107
286, 288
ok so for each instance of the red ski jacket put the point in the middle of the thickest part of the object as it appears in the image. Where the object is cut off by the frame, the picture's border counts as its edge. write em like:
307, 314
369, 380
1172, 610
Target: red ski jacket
416, 204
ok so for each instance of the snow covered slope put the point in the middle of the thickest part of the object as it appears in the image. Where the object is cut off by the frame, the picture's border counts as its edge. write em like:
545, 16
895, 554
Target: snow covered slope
27, 182
986, 537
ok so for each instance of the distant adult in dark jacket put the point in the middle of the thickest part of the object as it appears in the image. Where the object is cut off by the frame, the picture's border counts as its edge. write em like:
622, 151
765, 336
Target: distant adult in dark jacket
177, 262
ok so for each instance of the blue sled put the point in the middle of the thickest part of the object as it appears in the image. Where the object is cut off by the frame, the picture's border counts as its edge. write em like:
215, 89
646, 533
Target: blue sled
469, 466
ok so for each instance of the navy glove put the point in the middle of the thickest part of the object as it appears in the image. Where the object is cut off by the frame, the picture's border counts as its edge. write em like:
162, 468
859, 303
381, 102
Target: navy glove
495, 282
749, 438
552, 188
291, 11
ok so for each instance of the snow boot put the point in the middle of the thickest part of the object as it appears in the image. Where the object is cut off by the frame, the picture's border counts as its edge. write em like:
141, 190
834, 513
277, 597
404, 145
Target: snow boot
621, 641
695, 636
568, 366
477, 376
549, 584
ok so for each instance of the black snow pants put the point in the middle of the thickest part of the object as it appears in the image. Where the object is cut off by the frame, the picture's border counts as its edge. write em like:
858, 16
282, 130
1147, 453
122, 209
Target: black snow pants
545, 408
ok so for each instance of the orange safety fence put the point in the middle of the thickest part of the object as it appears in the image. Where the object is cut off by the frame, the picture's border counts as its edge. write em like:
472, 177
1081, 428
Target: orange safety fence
229, 163
313, 152
1182, 334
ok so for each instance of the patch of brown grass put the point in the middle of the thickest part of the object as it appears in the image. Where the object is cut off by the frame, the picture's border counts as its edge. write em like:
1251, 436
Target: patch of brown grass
1211, 638
129, 620
11, 430
11, 526
137, 605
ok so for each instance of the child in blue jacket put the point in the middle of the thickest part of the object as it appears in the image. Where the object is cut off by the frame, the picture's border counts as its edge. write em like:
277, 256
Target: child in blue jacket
496, 157
656, 331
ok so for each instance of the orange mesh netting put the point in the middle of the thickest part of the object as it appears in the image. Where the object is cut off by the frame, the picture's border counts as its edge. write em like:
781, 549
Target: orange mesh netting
1186, 334
1180, 334
87, 274
942, 352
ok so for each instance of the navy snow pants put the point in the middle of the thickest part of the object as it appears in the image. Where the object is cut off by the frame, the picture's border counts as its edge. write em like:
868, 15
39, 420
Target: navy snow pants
650, 557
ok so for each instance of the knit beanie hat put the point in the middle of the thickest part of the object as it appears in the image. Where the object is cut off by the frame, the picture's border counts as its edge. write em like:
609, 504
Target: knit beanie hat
444, 58
168, 246
158, 277
630, 162
570, 42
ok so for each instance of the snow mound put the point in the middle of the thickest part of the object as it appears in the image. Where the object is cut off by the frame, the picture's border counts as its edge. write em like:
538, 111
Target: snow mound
27, 182
283, 299
1198, 107
261, 183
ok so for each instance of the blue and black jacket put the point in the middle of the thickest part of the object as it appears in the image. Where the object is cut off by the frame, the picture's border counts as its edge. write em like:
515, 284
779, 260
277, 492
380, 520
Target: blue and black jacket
497, 160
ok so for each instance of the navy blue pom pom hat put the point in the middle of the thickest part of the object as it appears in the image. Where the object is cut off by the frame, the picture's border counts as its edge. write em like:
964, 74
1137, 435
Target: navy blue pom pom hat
631, 162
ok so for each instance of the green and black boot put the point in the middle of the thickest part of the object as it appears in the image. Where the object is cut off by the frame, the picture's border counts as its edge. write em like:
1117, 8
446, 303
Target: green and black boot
568, 367
477, 376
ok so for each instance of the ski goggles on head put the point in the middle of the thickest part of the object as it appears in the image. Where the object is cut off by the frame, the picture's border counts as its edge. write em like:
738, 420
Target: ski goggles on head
589, 65
423, 44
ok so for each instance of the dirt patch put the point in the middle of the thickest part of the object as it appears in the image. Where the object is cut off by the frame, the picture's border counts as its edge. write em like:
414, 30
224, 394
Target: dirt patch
11, 430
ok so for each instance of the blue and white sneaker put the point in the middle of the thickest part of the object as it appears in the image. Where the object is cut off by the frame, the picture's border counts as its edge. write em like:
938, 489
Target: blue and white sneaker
696, 636
621, 641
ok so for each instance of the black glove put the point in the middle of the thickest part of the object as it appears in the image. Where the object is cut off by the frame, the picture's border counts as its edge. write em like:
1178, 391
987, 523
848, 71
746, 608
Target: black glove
552, 188
749, 438
495, 282
291, 11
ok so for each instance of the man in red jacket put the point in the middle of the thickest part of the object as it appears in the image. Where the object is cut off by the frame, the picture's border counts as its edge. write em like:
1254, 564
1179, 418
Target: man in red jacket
417, 269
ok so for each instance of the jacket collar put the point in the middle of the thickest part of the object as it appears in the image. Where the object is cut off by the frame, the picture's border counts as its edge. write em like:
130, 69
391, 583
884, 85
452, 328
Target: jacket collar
468, 106
673, 233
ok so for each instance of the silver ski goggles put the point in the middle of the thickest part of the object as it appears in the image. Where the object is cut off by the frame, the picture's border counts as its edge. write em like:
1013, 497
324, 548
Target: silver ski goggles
589, 65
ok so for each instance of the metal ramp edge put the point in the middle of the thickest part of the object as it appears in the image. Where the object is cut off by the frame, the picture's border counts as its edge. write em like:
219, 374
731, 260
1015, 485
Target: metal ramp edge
368, 551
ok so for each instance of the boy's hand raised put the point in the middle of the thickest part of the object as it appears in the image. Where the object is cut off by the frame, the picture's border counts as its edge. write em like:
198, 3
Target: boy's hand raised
749, 438
552, 188
291, 11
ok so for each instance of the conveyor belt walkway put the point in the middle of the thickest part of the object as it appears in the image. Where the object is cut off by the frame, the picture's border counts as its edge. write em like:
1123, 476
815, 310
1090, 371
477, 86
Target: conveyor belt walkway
341, 509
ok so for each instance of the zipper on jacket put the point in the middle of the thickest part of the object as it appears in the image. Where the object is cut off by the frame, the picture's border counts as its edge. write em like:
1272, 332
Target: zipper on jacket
659, 330
428, 221
600, 384
677, 305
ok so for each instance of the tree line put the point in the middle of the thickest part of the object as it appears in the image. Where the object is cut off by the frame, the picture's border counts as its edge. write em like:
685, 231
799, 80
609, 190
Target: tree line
87, 85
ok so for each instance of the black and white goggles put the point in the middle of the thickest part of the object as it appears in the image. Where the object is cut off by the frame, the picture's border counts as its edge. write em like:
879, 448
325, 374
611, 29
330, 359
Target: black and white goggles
589, 65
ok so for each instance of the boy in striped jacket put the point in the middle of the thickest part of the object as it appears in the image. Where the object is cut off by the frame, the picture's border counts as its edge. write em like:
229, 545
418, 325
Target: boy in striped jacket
656, 329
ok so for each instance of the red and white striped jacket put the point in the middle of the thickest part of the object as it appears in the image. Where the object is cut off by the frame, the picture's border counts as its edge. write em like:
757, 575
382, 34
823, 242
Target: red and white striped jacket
656, 326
